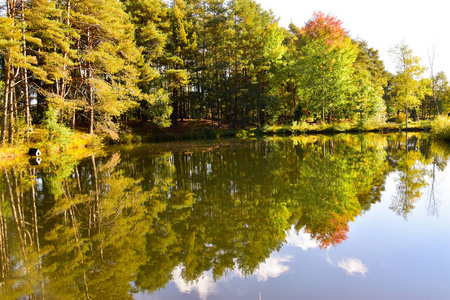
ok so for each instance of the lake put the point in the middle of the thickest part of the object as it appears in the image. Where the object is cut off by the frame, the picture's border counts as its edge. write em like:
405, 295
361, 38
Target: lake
303, 217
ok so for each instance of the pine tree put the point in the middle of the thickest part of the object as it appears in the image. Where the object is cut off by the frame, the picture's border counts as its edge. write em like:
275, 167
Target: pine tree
370, 78
107, 58
258, 49
151, 29
50, 22
14, 41
178, 47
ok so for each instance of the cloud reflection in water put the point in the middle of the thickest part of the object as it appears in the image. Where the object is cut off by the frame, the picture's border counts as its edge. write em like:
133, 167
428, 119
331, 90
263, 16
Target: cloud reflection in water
204, 286
301, 239
273, 267
351, 266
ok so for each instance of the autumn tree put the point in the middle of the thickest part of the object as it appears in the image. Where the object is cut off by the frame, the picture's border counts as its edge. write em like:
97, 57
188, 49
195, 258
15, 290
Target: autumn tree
325, 66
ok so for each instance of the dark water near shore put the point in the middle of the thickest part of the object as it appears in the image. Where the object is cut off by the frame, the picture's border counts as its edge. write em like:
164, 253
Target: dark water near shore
315, 217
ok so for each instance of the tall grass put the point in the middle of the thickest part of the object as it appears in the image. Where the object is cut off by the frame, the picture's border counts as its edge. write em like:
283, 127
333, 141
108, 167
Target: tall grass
301, 126
440, 128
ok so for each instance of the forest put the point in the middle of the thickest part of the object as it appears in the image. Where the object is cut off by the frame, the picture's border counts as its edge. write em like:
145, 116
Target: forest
93, 66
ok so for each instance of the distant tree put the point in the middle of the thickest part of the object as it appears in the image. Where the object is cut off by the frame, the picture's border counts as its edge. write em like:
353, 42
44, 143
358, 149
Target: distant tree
433, 79
370, 78
181, 44
406, 82
442, 92
257, 52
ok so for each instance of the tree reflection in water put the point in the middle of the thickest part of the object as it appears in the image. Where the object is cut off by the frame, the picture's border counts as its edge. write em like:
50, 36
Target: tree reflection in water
86, 229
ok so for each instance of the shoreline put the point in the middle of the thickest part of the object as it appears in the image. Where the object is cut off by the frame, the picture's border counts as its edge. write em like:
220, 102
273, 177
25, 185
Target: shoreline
193, 132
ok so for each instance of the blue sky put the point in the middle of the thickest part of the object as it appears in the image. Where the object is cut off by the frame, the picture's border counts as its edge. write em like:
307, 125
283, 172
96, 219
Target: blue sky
383, 24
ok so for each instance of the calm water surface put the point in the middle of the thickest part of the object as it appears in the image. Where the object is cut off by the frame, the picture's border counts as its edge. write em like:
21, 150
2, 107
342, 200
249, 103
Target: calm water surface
343, 217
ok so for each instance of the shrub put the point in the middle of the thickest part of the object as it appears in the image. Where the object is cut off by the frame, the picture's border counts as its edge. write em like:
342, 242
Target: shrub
59, 136
401, 118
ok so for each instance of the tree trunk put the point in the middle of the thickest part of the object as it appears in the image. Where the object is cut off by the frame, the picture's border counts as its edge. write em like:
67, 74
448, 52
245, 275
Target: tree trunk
90, 76
406, 117
73, 119
323, 112
91, 105
11, 116
175, 108
25, 76
6, 101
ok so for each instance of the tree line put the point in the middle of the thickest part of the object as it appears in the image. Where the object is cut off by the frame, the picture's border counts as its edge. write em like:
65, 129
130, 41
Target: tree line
80, 63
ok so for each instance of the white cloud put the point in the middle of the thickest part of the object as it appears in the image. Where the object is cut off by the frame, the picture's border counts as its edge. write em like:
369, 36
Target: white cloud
300, 239
204, 286
273, 267
351, 266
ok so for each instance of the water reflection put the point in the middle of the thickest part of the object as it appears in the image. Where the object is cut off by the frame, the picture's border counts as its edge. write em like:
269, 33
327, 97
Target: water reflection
351, 266
301, 239
196, 213
204, 286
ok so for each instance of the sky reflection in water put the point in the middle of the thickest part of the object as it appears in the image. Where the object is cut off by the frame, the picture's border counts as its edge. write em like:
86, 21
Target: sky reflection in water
385, 256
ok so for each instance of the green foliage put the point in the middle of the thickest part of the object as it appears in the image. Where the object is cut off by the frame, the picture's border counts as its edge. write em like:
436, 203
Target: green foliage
325, 65
368, 106
442, 92
407, 86
59, 136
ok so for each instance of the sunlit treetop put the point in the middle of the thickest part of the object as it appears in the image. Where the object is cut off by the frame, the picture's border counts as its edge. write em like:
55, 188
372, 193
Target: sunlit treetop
326, 27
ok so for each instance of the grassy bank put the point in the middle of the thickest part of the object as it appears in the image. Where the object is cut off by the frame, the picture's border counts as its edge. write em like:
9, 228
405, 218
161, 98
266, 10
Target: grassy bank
195, 130
77, 143
134, 133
